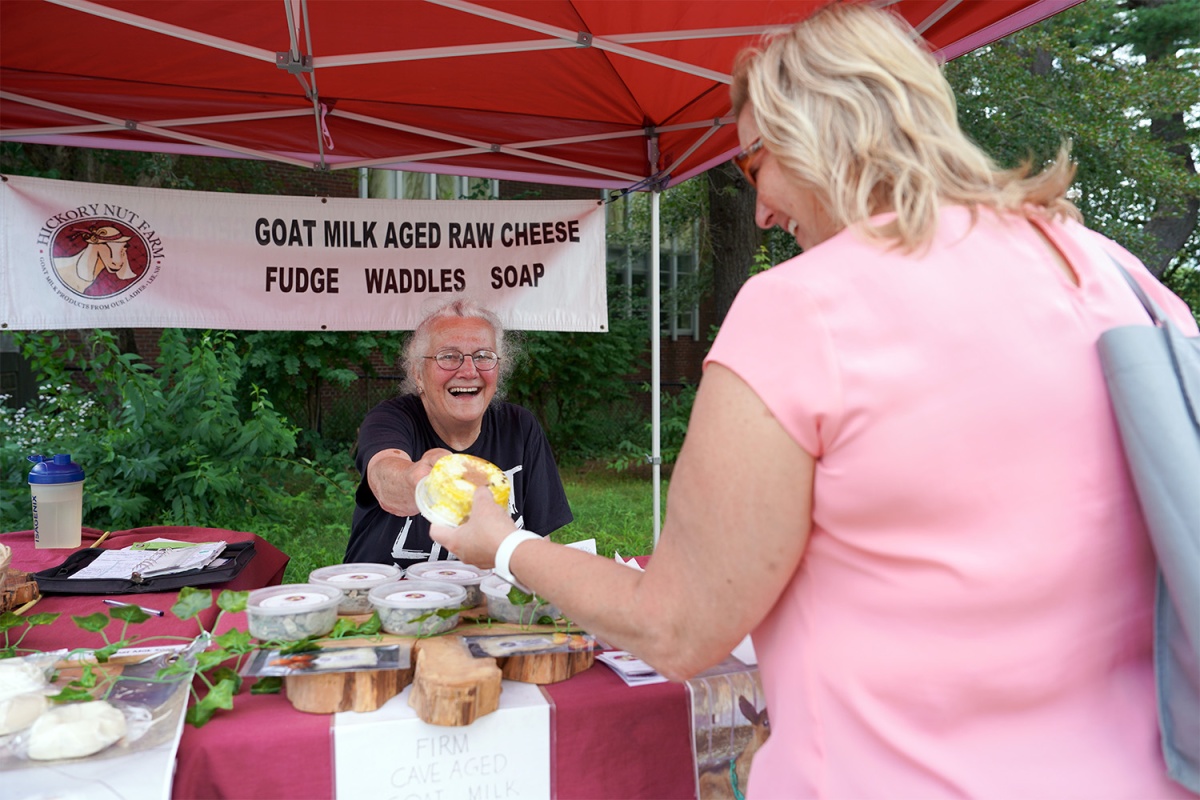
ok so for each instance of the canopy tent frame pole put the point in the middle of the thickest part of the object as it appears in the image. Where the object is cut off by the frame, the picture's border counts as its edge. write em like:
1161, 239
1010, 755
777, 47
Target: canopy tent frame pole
655, 364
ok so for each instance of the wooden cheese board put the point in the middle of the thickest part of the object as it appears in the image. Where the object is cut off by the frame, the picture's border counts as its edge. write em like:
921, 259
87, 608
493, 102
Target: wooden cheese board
450, 685
19, 590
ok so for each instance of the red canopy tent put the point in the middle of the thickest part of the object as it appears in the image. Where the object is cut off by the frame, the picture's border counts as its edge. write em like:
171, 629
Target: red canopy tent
601, 93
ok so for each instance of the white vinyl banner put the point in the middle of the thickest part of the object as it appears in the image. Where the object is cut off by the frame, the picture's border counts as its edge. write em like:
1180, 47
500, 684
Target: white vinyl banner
84, 255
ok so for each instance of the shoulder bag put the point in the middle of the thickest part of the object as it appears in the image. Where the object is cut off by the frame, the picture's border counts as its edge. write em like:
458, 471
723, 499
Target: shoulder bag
1153, 376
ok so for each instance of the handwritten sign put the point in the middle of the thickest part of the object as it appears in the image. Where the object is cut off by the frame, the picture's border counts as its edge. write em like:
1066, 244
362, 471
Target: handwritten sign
392, 755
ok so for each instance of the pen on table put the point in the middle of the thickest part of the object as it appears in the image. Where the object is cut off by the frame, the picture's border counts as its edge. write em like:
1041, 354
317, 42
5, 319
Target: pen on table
103, 536
118, 603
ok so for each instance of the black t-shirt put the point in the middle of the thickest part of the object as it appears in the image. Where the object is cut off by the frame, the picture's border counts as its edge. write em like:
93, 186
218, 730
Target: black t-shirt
510, 438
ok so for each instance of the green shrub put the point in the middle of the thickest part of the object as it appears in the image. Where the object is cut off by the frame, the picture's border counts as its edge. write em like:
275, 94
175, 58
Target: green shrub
673, 425
183, 444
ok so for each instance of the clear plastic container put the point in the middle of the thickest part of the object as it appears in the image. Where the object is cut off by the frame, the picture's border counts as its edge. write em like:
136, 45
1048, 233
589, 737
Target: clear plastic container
410, 608
292, 611
356, 582
467, 576
496, 590
457, 475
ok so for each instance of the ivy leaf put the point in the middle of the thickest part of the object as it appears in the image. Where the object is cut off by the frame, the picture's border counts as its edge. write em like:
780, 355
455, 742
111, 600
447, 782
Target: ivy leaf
221, 694
232, 601
198, 714
235, 641
343, 627
191, 602
517, 597
178, 666
92, 622
132, 614
103, 654
71, 694
271, 684
9, 620
302, 646
346, 627
371, 626
210, 659
222, 675
87, 679
45, 618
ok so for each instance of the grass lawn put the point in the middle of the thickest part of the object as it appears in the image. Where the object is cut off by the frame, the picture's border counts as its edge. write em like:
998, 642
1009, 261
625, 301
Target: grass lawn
614, 508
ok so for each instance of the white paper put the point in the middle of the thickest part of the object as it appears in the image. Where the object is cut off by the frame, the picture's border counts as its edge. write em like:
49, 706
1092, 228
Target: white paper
586, 545
744, 652
122, 564
630, 562
630, 668
391, 753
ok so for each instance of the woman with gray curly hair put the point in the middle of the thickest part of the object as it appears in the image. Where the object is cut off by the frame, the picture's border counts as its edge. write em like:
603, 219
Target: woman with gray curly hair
455, 365
508, 348
902, 473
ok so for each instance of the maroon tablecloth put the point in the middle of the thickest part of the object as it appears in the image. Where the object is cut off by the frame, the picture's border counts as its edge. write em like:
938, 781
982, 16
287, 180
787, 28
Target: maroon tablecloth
265, 569
608, 740
263, 748
615, 741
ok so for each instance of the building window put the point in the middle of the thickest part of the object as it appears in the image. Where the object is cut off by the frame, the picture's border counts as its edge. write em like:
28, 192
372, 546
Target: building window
431, 186
679, 263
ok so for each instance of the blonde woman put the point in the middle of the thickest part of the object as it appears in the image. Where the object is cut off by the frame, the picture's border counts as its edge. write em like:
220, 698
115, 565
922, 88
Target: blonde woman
902, 472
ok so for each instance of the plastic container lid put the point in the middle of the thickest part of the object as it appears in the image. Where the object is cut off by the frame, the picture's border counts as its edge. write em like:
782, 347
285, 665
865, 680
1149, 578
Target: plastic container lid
60, 469
448, 571
293, 598
419, 594
355, 575
425, 506
495, 586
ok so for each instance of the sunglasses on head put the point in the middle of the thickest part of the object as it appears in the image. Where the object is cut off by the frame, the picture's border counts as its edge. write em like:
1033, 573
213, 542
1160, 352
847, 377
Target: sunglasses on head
747, 161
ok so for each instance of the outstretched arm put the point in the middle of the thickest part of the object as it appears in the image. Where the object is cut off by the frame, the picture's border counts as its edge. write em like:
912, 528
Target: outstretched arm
738, 519
393, 476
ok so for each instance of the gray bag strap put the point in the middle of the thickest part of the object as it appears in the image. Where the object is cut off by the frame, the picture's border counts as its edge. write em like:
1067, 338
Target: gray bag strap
1147, 303
1184, 350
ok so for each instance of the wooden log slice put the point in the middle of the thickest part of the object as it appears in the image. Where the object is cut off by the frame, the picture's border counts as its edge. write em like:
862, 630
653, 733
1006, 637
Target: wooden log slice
543, 668
19, 589
328, 692
450, 687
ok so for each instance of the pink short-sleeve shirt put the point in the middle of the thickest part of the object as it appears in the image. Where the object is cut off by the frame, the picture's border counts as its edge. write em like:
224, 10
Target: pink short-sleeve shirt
972, 616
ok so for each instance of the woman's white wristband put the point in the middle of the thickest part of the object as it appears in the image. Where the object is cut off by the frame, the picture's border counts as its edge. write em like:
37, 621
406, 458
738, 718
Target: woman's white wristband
504, 553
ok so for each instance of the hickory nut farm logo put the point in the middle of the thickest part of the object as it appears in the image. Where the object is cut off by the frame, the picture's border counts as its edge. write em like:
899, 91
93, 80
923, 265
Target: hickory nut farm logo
100, 261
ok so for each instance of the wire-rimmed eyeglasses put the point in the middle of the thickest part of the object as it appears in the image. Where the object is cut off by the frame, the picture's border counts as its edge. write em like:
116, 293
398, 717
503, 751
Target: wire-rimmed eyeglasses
747, 161
484, 360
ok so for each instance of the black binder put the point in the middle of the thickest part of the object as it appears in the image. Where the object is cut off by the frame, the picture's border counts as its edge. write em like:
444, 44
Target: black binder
57, 580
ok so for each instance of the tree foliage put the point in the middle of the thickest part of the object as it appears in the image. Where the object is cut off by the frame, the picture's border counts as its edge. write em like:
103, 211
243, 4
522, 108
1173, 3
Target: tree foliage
296, 366
578, 384
1121, 82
